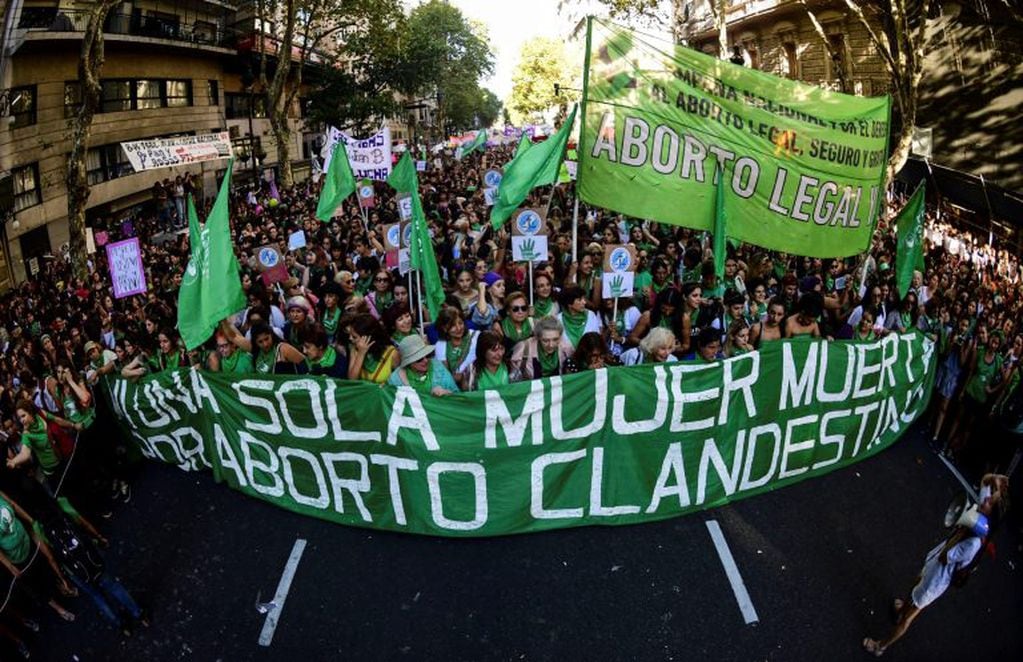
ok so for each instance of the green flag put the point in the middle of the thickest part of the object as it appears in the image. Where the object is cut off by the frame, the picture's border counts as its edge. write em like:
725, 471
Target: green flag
421, 256
339, 184
537, 166
909, 254
478, 143
719, 225
807, 164
211, 288
524, 144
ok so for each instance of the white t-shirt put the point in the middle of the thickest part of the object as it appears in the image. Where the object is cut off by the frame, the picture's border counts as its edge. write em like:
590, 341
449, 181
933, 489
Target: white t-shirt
441, 353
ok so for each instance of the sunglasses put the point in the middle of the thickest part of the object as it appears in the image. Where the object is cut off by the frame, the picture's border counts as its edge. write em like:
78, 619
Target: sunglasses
519, 309
381, 280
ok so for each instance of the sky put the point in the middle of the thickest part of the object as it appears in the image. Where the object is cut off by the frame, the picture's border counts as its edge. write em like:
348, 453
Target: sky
510, 23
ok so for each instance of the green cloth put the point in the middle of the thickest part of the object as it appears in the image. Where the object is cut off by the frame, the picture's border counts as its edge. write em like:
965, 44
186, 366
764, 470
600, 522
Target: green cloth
720, 247
487, 379
524, 144
479, 142
239, 363
575, 325
976, 388
549, 363
542, 307
508, 327
73, 412
330, 321
909, 254
421, 253
337, 185
38, 440
14, 540
265, 361
211, 289
536, 166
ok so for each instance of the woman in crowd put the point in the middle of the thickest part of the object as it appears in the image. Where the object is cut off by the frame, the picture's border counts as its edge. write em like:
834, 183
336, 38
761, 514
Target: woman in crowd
322, 357
489, 369
658, 346
515, 326
543, 355
300, 318
229, 358
738, 339
575, 318
420, 371
489, 300
666, 314
398, 322
456, 348
544, 304
592, 353
332, 310
270, 355
382, 296
169, 355
372, 357
982, 387
692, 316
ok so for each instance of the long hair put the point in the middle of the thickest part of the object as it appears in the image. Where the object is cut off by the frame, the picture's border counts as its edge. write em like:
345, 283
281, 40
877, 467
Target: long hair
486, 341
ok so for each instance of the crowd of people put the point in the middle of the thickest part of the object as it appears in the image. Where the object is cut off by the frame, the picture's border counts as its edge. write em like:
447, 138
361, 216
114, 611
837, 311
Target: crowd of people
343, 310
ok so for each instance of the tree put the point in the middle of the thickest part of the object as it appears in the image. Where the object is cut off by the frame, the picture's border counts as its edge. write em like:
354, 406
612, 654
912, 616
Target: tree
90, 67
542, 65
453, 54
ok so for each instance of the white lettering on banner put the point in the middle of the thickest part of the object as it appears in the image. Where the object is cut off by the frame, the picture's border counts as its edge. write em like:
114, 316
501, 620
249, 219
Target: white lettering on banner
479, 475
417, 421
597, 508
711, 455
321, 500
228, 460
682, 399
162, 418
797, 391
826, 367
599, 409
605, 138
789, 447
672, 465
863, 370
356, 487
621, 426
270, 467
274, 426
312, 389
863, 412
838, 440
536, 507
890, 354
753, 437
742, 384
394, 464
514, 428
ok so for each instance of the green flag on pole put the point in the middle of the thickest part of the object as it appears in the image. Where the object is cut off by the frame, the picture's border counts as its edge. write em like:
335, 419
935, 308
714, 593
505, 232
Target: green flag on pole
421, 256
478, 143
339, 184
538, 166
524, 144
719, 225
909, 226
211, 288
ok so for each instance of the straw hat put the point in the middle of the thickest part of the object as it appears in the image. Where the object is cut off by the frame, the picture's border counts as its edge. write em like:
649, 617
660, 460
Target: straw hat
412, 348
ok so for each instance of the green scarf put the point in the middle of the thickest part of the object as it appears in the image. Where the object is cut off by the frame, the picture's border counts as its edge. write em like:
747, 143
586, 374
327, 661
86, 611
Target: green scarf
575, 325
548, 364
516, 336
455, 354
265, 361
330, 321
398, 336
327, 361
543, 307
421, 384
383, 300
229, 364
495, 379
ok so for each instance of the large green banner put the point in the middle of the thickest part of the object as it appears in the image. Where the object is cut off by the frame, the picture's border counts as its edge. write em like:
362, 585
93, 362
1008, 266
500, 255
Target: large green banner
612, 446
803, 167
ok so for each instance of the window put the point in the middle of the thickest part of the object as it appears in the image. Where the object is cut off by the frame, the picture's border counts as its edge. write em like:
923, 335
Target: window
148, 94
837, 69
72, 98
23, 106
26, 186
106, 163
790, 60
213, 88
238, 105
179, 93
116, 96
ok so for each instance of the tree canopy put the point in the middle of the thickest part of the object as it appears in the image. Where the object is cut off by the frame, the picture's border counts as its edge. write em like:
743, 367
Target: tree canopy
542, 64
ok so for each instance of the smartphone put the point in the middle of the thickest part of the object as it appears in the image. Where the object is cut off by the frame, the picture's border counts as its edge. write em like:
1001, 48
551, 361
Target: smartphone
840, 283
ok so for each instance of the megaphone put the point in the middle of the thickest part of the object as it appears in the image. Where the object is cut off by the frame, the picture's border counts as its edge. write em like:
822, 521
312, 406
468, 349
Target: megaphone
962, 512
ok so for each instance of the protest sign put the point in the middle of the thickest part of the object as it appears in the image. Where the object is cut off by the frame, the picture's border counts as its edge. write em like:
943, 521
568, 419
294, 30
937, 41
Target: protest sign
492, 178
489, 195
370, 158
420, 166
163, 152
573, 169
271, 265
619, 275
367, 197
608, 446
296, 240
127, 275
392, 236
529, 236
33, 266
405, 206
90, 241
805, 165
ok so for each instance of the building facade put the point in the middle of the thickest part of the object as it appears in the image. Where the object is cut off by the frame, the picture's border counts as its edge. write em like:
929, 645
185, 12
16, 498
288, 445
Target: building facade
172, 68
972, 84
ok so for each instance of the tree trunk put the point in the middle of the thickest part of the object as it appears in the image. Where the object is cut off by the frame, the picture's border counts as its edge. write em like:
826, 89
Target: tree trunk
279, 125
721, 18
90, 67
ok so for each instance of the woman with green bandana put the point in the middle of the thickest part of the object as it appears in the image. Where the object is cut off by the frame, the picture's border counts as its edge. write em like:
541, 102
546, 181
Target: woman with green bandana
543, 355
489, 370
382, 296
515, 326
544, 304
981, 389
322, 357
332, 311
456, 348
398, 323
36, 442
228, 358
420, 371
169, 355
576, 319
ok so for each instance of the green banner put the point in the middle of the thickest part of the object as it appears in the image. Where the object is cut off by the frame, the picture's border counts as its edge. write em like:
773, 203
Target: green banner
804, 167
909, 226
612, 446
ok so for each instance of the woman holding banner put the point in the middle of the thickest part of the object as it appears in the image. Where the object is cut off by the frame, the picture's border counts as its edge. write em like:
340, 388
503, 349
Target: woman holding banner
656, 347
489, 370
371, 356
456, 348
420, 371
270, 356
543, 355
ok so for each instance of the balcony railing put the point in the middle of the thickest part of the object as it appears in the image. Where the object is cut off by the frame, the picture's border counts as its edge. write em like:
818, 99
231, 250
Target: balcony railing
52, 19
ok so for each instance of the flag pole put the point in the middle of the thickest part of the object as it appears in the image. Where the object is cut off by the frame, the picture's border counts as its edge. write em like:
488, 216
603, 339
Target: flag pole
419, 286
530, 284
575, 230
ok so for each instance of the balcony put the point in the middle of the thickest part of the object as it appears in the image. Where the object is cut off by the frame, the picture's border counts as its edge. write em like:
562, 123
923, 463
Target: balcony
164, 28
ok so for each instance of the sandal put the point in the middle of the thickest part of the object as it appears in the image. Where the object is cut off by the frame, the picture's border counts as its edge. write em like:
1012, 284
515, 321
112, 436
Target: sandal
873, 647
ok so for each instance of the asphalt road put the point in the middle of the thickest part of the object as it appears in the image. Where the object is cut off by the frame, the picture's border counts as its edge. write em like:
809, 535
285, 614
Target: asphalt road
820, 561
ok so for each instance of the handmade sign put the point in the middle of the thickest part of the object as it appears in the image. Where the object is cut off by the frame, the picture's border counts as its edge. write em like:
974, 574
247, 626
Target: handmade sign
164, 152
127, 275
370, 158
